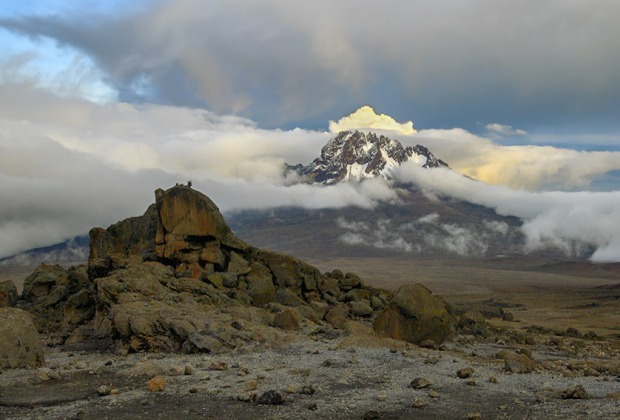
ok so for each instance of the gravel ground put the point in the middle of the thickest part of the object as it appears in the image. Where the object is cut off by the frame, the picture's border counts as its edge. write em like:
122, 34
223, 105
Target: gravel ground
316, 379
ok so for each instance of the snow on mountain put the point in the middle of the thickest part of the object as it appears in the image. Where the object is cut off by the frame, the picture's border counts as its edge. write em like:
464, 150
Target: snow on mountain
355, 155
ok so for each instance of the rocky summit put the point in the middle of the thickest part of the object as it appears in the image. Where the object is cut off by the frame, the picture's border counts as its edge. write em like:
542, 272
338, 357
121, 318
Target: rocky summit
355, 155
178, 279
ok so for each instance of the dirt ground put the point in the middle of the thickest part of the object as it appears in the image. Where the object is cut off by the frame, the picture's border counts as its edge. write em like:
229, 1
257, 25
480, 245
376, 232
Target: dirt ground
357, 376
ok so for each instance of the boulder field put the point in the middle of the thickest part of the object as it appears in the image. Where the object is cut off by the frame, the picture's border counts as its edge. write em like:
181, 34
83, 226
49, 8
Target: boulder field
178, 279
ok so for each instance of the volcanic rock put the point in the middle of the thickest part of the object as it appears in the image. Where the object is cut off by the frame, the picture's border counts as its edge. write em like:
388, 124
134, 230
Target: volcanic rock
59, 299
20, 344
8, 294
415, 315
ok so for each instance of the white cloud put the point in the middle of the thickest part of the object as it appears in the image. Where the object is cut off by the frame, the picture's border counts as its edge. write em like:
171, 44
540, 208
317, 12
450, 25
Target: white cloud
564, 220
500, 130
366, 118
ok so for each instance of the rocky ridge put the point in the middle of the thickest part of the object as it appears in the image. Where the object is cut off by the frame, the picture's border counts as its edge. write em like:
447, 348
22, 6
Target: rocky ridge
178, 279
355, 155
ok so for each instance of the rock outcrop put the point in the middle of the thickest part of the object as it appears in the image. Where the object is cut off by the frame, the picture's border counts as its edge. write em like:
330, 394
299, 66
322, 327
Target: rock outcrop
415, 315
59, 299
178, 279
194, 286
8, 294
20, 344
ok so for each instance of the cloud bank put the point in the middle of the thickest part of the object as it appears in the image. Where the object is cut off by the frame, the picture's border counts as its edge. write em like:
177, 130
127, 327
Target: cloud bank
67, 165
563, 220
449, 63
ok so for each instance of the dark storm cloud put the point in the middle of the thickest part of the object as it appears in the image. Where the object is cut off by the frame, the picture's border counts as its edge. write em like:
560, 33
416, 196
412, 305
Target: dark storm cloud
452, 63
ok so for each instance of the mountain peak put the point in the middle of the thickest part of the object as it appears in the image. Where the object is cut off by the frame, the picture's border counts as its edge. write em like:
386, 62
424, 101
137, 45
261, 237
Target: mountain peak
355, 155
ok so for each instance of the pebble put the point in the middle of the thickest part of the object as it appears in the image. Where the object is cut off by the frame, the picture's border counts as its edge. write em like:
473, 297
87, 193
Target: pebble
156, 384
251, 385
271, 397
433, 394
419, 403
104, 390
189, 370
420, 383
218, 366
465, 373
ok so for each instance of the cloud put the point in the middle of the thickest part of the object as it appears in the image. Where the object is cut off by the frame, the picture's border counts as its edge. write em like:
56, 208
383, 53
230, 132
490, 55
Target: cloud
428, 236
450, 64
67, 165
521, 167
563, 220
366, 118
500, 130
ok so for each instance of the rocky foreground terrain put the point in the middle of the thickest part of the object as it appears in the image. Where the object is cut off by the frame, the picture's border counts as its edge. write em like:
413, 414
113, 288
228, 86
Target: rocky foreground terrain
174, 316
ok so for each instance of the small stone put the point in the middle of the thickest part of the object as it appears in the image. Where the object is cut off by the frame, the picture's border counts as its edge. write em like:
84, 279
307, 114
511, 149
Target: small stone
471, 382
271, 397
382, 397
420, 383
575, 393
114, 391
502, 407
193, 390
428, 344
312, 407
307, 390
492, 379
156, 384
419, 403
176, 371
371, 415
251, 385
246, 396
433, 394
189, 370
474, 416
218, 366
104, 390
292, 389
465, 373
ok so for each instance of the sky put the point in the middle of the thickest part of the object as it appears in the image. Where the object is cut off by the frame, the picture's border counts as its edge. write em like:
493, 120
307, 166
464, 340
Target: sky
102, 102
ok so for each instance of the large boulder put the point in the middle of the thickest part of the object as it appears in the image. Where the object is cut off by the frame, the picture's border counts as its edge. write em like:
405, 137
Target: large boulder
8, 294
20, 345
415, 315
59, 299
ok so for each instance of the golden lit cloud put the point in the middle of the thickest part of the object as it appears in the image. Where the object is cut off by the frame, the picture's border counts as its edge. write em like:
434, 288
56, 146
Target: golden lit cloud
365, 117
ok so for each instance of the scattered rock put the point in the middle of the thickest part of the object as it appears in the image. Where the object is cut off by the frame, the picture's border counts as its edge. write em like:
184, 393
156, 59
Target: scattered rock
433, 394
576, 392
156, 384
250, 385
271, 397
516, 363
104, 390
218, 366
465, 373
287, 320
420, 383
419, 403
371, 415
